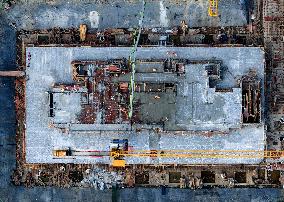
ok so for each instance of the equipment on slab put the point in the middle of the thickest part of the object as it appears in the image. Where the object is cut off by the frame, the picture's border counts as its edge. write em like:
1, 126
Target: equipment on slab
184, 27
123, 87
117, 146
112, 69
213, 8
83, 31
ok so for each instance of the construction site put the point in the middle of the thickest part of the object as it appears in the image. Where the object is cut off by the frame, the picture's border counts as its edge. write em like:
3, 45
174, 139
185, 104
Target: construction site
192, 103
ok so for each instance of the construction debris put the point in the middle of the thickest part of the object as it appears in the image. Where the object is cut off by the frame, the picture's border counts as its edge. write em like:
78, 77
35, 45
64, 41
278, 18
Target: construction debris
102, 179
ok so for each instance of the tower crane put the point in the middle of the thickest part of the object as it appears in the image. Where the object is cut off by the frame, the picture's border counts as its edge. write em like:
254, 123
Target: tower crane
119, 153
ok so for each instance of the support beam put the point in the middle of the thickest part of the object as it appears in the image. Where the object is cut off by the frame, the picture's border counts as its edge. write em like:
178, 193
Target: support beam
12, 73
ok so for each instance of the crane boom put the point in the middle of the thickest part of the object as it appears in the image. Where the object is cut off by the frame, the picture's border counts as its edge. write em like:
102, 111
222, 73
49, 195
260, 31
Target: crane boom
199, 153
118, 155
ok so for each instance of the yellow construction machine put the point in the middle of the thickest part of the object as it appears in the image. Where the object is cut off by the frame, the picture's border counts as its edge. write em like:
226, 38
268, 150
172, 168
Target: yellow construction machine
118, 154
213, 8
83, 31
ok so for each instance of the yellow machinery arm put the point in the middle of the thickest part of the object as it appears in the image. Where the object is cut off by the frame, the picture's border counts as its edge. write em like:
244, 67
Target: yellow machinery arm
118, 156
199, 153
213, 8
195, 154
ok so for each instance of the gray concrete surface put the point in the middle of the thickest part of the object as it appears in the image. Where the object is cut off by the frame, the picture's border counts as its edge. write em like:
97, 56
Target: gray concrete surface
201, 108
118, 13
49, 65
67, 107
